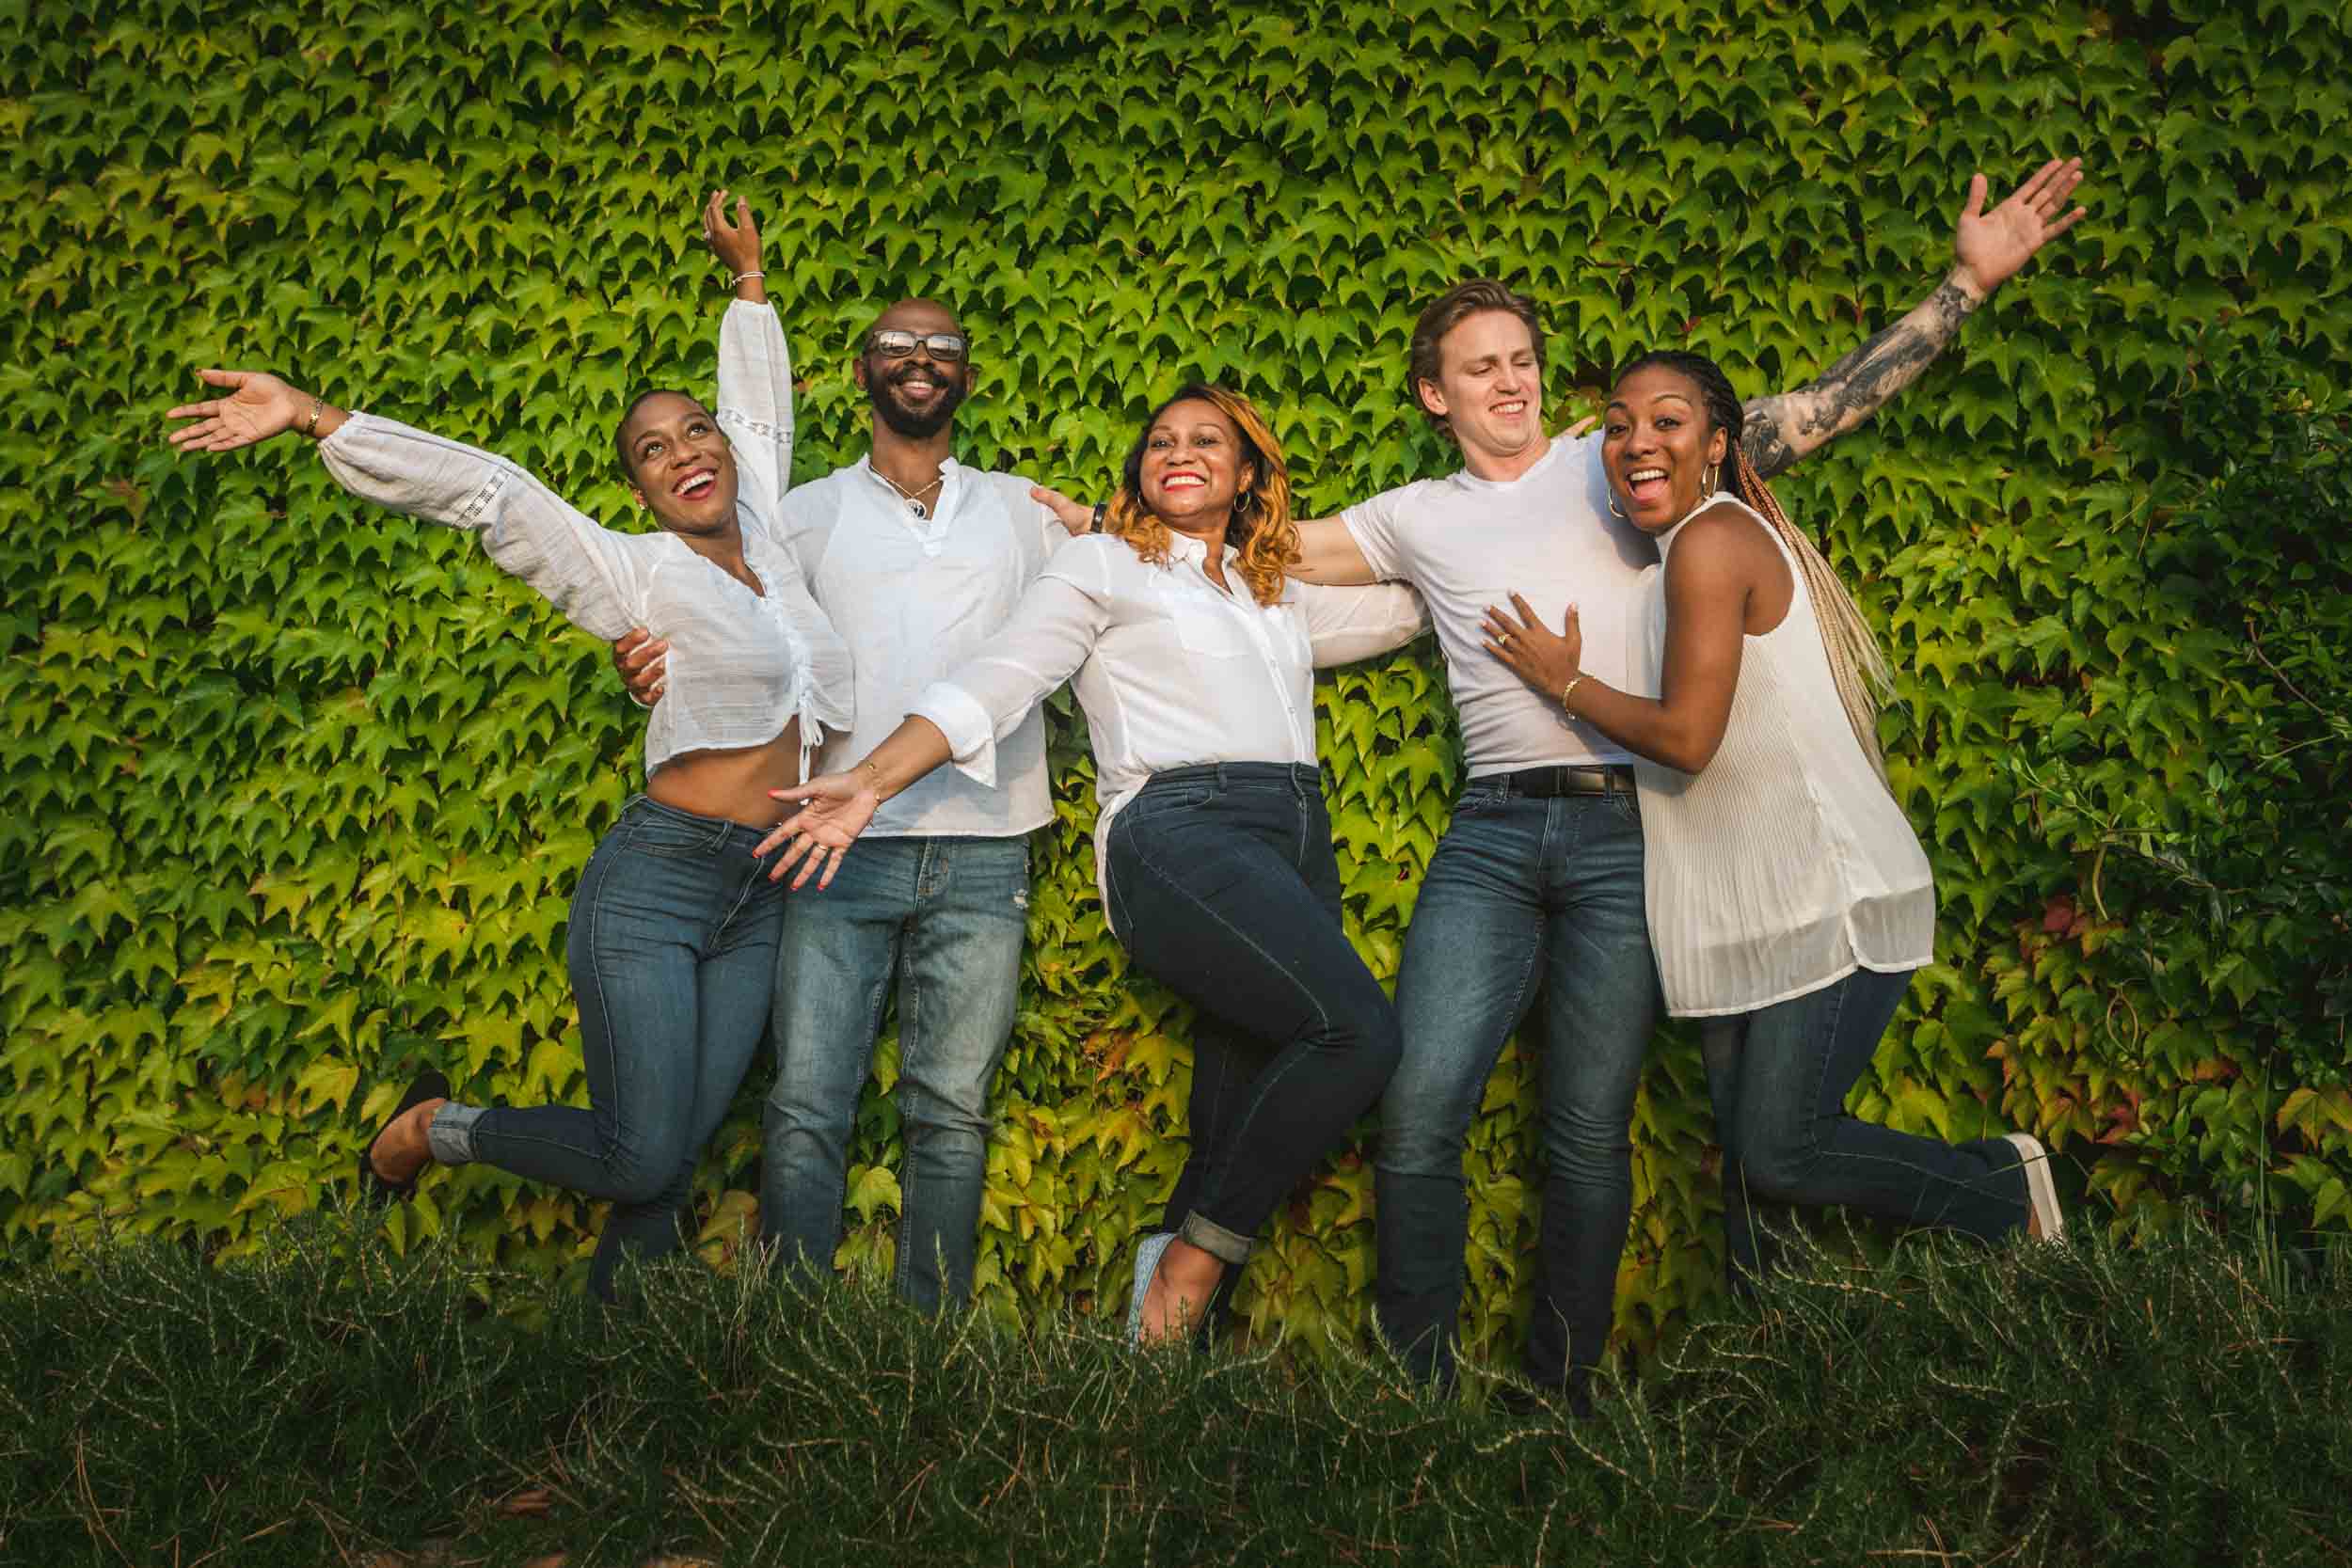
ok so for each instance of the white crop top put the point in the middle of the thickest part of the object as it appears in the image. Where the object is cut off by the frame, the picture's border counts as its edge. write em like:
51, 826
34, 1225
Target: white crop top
741, 665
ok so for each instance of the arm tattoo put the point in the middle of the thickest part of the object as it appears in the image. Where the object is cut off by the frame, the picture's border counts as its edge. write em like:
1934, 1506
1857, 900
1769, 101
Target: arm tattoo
1783, 429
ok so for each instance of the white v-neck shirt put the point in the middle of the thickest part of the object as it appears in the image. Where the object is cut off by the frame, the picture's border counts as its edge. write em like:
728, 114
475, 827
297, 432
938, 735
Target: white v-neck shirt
914, 598
1466, 543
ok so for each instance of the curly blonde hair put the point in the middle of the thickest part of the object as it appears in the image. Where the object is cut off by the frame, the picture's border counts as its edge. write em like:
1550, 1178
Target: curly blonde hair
1263, 528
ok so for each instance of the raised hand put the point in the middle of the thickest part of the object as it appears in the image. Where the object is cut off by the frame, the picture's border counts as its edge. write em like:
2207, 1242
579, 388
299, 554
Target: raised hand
834, 809
736, 243
258, 407
1076, 516
1990, 247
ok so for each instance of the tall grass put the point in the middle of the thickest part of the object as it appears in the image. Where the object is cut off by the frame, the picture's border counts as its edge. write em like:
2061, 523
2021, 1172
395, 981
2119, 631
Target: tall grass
2061, 1404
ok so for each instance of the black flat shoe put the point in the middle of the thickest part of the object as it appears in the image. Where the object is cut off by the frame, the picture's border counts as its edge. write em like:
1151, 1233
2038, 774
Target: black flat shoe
374, 1189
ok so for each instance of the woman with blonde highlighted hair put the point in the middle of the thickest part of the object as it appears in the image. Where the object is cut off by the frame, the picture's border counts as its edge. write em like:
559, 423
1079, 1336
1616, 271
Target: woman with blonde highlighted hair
1194, 657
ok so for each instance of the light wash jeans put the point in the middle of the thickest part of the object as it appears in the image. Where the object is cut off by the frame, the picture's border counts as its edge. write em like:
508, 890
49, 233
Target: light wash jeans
947, 917
671, 950
1522, 895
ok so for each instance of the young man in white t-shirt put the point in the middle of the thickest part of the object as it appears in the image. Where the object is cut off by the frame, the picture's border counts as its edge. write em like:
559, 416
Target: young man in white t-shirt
1536, 886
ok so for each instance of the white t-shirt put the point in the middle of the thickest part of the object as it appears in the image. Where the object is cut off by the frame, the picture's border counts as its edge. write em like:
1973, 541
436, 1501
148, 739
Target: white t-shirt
1468, 543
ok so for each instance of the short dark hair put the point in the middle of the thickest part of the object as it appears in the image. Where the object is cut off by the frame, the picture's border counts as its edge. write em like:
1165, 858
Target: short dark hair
620, 447
1447, 311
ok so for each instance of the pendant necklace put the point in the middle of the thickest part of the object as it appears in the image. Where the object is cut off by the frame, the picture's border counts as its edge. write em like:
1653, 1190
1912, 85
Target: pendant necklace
912, 497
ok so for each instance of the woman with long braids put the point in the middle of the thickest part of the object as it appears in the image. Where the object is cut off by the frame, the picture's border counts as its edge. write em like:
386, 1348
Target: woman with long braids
671, 941
1789, 899
1194, 657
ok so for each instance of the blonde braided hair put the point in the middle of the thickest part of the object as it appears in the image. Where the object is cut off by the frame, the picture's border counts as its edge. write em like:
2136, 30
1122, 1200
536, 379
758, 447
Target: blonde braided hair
1856, 662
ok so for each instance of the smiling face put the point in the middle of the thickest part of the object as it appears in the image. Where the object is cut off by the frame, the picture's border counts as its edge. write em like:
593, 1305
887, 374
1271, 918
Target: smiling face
1490, 386
679, 463
1194, 467
916, 396
1658, 445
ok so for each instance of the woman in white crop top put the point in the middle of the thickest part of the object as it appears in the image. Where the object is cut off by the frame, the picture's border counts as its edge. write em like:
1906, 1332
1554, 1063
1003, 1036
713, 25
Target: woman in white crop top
1788, 899
673, 928
1194, 657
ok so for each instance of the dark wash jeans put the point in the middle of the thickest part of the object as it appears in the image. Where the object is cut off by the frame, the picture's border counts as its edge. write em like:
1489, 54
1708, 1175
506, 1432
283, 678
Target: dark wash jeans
1779, 1077
1522, 895
671, 950
1223, 886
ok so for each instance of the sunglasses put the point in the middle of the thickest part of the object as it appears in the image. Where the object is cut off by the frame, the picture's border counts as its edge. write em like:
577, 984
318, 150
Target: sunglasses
892, 343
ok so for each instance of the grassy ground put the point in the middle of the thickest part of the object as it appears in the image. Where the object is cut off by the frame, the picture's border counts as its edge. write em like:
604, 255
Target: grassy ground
2063, 1406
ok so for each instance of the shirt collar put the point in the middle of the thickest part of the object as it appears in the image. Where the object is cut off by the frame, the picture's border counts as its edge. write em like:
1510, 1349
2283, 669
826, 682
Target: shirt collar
1184, 548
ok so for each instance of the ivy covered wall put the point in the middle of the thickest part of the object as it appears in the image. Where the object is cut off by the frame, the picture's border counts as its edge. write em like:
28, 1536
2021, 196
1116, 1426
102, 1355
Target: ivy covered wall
296, 792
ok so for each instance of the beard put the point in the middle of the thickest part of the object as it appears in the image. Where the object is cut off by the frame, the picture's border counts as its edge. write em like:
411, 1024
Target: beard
882, 391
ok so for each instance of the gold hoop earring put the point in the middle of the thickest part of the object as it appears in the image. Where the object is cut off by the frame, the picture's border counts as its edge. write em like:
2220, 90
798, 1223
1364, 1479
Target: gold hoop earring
1708, 484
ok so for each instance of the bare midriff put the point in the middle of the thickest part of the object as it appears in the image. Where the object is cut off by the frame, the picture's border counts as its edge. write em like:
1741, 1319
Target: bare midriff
734, 783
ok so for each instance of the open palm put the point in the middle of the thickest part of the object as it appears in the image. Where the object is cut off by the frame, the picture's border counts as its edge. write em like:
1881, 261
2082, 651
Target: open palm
1992, 246
258, 407
834, 809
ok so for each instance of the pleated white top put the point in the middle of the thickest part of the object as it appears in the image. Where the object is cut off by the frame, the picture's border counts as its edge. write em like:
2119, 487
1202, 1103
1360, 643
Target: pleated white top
1785, 864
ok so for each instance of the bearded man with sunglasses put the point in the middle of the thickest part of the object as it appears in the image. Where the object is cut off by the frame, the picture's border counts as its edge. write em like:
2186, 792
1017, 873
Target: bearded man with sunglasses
918, 561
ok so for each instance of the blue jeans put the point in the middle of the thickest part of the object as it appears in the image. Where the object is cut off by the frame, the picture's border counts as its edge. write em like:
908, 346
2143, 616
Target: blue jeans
672, 949
1223, 886
1779, 1078
946, 917
1522, 895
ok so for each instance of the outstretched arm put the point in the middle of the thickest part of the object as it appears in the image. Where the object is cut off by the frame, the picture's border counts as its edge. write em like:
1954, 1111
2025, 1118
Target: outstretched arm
528, 530
1988, 249
259, 406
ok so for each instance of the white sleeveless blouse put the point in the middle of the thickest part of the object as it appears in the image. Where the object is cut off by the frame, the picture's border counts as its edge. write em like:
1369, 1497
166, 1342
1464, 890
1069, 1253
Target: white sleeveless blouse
1785, 864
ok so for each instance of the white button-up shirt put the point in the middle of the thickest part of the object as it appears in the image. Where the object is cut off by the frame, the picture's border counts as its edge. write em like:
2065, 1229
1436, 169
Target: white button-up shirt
914, 598
1170, 672
742, 664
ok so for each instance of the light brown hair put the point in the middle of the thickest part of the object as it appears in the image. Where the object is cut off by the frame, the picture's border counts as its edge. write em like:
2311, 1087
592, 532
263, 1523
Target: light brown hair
1447, 311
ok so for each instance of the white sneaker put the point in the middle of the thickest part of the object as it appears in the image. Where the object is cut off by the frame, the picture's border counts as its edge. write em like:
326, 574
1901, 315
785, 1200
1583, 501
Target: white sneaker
2048, 1221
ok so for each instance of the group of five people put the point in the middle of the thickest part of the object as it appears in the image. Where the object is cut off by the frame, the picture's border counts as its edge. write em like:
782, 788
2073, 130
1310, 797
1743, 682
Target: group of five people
1675, 795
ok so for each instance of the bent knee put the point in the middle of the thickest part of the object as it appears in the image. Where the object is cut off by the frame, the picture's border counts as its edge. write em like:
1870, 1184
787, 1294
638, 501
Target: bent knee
1782, 1173
637, 1181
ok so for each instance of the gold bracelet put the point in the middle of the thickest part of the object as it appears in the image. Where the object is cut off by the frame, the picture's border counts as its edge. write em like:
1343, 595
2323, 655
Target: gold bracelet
317, 408
1570, 690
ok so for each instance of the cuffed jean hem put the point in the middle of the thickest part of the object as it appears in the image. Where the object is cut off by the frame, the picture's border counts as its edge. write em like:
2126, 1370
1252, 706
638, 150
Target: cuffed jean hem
450, 1133
1214, 1239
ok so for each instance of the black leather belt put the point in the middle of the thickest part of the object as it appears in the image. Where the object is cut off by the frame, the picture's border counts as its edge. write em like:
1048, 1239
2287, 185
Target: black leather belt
1546, 783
